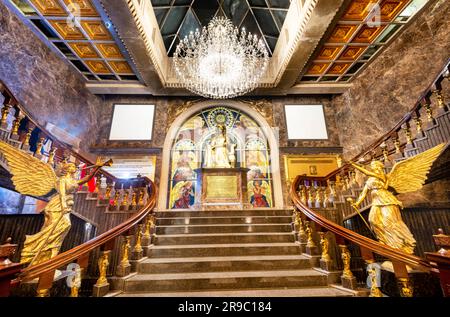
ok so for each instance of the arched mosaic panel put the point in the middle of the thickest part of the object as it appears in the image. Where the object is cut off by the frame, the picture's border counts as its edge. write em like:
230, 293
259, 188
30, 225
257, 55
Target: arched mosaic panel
188, 154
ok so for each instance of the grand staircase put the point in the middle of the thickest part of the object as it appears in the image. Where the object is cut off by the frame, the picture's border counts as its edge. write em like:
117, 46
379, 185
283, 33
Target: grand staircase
226, 253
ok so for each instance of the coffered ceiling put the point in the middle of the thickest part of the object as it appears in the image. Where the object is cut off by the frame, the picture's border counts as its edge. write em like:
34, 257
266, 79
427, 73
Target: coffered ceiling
125, 46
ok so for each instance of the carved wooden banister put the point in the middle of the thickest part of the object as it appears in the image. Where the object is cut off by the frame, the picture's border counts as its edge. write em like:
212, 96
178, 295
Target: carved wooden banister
362, 241
140, 207
83, 249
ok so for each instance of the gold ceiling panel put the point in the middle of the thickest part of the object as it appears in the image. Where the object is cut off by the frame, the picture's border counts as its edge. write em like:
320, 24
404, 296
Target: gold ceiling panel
352, 52
86, 9
109, 50
317, 68
96, 30
67, 31
329, 52
390, 8
121, 67
342, 33
98, 67
367, 34
358, 10
338, 68
49, 7
84, 50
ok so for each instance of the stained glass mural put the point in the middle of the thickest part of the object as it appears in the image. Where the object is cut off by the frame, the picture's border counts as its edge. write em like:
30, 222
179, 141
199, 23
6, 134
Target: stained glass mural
250, 148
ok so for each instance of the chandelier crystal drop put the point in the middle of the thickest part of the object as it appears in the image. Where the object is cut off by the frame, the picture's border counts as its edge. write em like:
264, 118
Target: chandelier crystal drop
220, 61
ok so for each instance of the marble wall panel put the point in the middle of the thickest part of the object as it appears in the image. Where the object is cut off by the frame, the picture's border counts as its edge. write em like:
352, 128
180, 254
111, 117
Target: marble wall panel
47, 87
393, 83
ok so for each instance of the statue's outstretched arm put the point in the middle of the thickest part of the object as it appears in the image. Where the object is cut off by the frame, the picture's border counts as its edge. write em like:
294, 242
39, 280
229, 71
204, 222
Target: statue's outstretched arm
88, 177
362, 196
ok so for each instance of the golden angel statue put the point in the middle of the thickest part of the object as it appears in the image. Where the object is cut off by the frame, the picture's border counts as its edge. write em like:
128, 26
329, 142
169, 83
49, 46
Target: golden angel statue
406, 176
34, 177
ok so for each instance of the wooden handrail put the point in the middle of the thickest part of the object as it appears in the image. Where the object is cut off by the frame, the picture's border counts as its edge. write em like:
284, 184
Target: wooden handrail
83, 249
388, 134
14, 101
354, 237
75, 253
349, 235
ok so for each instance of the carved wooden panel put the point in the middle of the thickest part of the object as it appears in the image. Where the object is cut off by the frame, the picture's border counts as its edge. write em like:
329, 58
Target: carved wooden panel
390, 8
109, 50
338, 68
318, 68
367, 34
329, 52
357, 29
121, 67
352, 52
96, 30
98, 67
67, 31
49, 7
84, 7
342, 33
358, 10
84, 50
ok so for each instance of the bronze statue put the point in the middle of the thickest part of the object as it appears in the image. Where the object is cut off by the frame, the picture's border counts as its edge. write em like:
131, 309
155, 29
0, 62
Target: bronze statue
406, 176
34, 177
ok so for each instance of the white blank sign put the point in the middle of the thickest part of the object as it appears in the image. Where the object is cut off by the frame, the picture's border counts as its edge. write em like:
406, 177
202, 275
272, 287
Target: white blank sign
132, 122
305, 122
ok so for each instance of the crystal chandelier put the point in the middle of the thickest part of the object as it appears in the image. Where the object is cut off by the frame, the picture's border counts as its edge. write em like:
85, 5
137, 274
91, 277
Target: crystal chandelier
220, 62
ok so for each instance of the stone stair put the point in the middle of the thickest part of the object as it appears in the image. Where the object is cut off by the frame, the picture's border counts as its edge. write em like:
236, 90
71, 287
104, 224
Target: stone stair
226, 253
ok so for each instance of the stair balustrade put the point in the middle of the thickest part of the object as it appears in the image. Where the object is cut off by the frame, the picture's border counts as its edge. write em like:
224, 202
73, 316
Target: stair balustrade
425, 126
89, 264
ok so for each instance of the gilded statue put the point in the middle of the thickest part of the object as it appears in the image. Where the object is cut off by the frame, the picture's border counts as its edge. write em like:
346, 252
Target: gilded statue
34, 177
406, 176
103, 264
217, 154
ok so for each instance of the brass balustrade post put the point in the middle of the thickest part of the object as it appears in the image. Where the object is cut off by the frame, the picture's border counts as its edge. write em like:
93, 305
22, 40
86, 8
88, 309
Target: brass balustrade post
124, 203
430, 119
326, 263
442, 107
311, 247
39, 146
101, 287
318, 199
310, 196
15, 127
4, 116
124, 267
138, 251
405, 286
348, 280
26, 142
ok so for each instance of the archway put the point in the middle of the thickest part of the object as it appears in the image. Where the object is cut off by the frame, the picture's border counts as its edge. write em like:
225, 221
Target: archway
178, 147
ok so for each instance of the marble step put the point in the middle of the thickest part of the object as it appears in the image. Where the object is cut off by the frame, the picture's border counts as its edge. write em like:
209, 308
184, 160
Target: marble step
223, 220
220, 228
271, 292
224, 264
223, 213
209, 250
224, 280
223, 238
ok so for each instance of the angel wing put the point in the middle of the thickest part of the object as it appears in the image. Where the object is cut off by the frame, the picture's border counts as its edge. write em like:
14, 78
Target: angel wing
30, 175
175, 193
409, 175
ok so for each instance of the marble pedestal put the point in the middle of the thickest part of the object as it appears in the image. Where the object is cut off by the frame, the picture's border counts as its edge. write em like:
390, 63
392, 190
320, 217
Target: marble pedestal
221, 188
